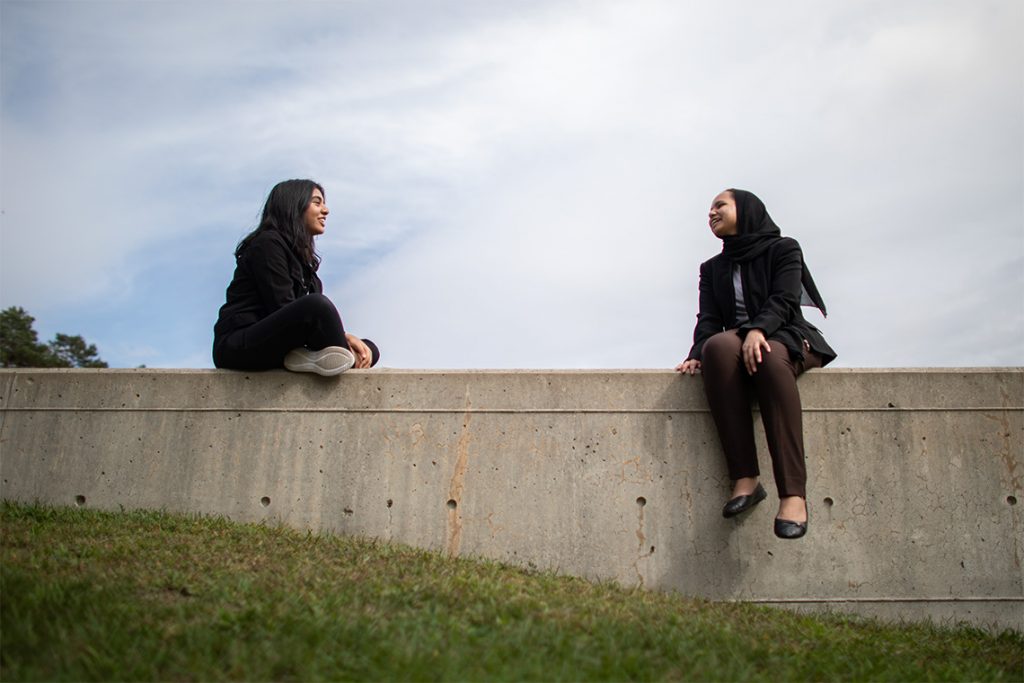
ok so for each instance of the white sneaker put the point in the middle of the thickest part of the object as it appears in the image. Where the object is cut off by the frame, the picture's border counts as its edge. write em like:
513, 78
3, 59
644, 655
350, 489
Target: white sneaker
328, 361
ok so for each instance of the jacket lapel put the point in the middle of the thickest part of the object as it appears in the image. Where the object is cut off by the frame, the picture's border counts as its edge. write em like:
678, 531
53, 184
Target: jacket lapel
724, 292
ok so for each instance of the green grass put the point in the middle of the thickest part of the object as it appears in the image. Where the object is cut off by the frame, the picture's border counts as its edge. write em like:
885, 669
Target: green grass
89, 595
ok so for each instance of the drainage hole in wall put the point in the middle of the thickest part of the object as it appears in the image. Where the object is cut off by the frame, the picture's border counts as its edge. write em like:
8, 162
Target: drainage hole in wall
828, 502
1012, 500
264, 501
452, 504
641, 501
79, 500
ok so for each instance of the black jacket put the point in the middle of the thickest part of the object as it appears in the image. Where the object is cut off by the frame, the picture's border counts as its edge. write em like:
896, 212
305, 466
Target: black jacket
268, 275
771, 291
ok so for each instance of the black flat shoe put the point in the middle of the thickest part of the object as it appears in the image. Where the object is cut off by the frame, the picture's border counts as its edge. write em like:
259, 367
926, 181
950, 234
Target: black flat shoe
743, 503
790, 530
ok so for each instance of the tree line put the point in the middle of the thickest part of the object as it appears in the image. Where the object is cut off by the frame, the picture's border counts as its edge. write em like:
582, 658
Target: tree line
20, 346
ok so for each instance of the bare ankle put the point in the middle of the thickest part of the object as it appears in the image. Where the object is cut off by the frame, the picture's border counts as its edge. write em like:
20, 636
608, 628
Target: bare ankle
744, 486
793, 508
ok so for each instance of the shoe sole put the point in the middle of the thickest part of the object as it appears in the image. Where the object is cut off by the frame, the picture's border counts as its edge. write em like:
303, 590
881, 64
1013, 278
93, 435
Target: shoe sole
326, 362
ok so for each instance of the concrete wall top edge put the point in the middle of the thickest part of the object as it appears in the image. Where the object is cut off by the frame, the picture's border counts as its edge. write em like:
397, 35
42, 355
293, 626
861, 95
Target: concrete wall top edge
476, 391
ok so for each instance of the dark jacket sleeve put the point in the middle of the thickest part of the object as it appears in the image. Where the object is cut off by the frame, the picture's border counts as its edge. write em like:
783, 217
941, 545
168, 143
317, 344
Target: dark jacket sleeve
710, 320
778, 303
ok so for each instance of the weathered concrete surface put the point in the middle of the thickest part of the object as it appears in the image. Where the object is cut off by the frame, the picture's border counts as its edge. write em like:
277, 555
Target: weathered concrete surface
915, 475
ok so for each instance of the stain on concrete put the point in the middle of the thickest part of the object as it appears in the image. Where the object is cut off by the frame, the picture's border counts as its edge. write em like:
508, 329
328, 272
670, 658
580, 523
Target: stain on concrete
416, 432
641, 537
1006, 452
458, 483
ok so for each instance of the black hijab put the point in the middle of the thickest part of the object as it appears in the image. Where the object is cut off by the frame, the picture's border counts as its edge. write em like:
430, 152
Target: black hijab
755, 232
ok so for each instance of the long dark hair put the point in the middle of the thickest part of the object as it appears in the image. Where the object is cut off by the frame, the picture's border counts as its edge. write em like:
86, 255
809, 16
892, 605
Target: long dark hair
283, 213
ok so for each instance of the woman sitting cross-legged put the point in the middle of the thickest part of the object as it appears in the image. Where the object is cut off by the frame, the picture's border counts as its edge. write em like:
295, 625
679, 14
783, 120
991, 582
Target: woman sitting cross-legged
276, 314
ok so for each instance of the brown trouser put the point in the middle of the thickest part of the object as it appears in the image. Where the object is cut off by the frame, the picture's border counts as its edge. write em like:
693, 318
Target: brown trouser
727, 383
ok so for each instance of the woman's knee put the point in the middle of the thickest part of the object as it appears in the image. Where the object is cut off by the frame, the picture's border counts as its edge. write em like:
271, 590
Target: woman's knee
777, 363
317, 305
317, 310
721, 348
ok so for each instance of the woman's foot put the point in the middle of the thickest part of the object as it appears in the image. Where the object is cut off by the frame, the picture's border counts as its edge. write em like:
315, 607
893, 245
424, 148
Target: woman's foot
328, 361
748, 496
792, 520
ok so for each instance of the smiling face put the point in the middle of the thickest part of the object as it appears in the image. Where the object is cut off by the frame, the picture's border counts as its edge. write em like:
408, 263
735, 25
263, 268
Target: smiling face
722, 217
315, 217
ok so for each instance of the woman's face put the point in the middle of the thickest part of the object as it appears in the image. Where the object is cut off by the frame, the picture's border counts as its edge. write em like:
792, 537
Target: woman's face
722, 217
315, 218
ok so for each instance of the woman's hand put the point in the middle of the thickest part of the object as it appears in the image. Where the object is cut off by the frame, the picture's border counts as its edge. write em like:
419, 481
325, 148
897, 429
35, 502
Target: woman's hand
362, 352
690, 365
752, 345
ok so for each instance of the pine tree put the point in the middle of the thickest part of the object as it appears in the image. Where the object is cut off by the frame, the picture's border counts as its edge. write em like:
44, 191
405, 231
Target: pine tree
20, 346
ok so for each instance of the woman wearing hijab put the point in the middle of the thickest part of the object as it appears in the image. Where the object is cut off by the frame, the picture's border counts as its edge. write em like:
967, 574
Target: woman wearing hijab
750, 333
276, 314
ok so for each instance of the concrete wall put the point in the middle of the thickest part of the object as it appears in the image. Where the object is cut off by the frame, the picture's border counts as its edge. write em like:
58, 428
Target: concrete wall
914, 475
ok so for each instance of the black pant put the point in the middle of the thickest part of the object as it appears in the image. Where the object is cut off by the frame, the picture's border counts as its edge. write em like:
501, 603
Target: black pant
311, 321
726, 384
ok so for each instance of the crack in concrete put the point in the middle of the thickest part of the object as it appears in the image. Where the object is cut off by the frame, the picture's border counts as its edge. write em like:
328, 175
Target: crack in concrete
641, 542
492, 527
643, 476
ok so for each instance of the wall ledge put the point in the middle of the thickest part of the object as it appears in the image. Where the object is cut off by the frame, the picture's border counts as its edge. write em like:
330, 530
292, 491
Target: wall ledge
916, 475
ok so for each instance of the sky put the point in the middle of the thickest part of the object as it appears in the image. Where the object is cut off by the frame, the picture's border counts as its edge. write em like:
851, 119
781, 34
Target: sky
517, 184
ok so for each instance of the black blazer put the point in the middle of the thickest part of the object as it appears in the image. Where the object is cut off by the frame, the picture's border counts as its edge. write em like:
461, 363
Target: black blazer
268, 275
771, 292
